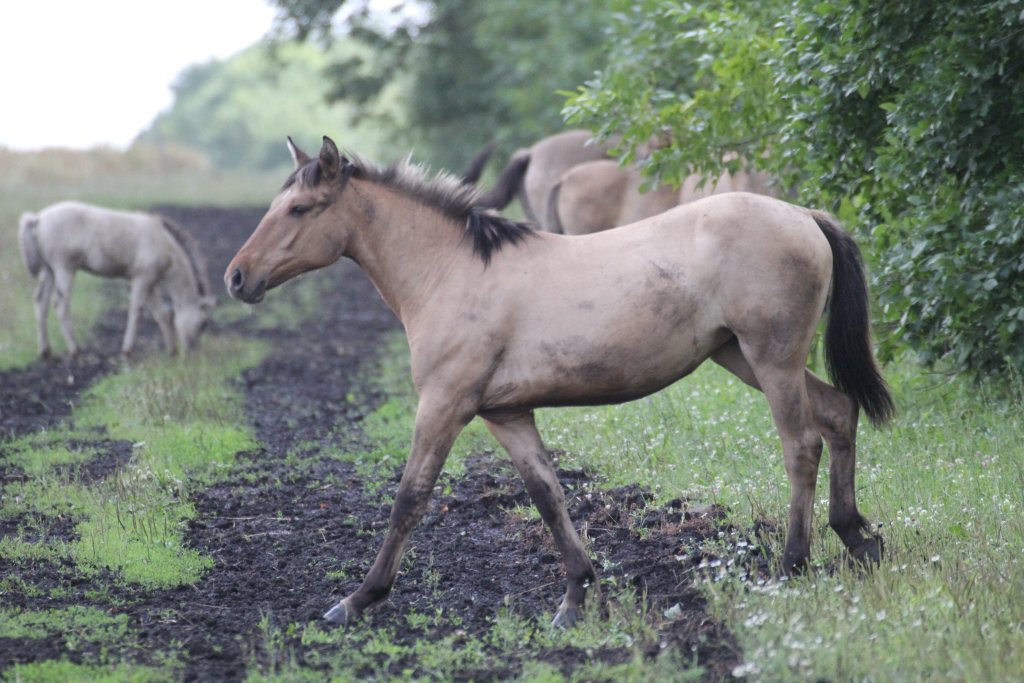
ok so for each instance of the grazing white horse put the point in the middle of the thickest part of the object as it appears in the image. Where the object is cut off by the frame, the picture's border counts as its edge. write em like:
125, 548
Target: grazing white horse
156, 257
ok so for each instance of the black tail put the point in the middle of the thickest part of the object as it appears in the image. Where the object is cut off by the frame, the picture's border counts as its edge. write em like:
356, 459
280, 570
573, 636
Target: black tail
509, 182
849, 357
476, 167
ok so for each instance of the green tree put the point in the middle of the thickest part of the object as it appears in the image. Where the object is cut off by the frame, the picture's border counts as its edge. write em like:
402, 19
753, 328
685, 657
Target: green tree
475, 71
238, 111
905, 117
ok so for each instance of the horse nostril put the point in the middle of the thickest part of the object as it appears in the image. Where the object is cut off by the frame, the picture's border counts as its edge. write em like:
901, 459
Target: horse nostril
237, 280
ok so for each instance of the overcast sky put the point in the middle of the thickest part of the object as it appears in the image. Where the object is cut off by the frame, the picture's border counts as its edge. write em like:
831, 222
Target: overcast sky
81, 73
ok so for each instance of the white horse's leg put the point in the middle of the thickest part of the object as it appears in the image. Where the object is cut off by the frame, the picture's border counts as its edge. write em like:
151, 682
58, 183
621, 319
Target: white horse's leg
438, 422
64, 282
163, 316
41, 298
518, 435
141, 290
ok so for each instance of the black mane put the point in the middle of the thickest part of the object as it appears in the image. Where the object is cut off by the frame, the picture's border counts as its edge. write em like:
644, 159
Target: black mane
487, 230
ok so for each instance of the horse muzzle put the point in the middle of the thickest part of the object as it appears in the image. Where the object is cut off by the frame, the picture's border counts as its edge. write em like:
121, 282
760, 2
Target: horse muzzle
239, 287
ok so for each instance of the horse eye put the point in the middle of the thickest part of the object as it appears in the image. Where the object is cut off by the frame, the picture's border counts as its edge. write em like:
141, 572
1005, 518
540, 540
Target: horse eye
298, 210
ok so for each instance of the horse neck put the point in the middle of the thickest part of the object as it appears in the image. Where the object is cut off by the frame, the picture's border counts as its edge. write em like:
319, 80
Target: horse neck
180, 281
403, 245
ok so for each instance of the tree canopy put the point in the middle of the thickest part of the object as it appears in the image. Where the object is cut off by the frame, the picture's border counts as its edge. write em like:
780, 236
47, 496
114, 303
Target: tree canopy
905, 117
238, 111
474, 71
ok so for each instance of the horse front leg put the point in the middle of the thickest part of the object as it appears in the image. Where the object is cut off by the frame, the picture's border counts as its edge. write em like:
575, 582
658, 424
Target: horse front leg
438, 422
161, 313
518, 435
140, 292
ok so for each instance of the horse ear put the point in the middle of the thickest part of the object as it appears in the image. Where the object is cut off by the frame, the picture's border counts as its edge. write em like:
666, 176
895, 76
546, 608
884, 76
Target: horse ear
330, 159
298, 156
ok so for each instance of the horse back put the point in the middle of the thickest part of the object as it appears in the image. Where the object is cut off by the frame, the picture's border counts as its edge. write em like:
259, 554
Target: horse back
102, 241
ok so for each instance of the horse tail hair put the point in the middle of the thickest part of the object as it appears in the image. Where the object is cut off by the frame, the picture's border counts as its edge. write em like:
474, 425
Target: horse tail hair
509, 182
28, 228
849, 357
476, 167
554, 221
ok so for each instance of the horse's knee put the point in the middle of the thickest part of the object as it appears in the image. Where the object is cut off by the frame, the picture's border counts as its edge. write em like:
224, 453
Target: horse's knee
803, 457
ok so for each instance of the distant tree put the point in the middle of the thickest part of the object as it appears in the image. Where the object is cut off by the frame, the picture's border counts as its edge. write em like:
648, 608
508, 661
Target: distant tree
238, 111
906, 117
475, 71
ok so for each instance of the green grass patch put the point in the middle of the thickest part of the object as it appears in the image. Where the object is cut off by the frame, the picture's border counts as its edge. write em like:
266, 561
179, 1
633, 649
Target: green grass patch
76, 625
945, 481
38, 454
185, 421
69, 672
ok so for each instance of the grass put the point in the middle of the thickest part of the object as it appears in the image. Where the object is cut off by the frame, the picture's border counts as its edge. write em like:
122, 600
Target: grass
184, 423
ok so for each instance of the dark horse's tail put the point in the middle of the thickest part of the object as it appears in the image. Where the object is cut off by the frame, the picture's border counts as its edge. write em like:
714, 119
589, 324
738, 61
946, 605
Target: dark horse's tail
848, 354
509, 182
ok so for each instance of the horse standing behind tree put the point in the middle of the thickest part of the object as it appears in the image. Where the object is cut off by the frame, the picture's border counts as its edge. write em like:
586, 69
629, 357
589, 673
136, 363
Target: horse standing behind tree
534, 170
739, 278
159, 259
601, 194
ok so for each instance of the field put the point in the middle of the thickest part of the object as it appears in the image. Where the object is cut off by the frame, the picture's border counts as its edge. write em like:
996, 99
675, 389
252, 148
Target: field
190, 519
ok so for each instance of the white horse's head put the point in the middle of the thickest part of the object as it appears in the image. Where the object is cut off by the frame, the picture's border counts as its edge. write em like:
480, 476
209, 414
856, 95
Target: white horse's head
189, 322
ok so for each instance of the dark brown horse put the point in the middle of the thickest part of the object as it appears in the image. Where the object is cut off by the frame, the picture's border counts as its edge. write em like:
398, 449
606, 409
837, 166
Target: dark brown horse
739, 278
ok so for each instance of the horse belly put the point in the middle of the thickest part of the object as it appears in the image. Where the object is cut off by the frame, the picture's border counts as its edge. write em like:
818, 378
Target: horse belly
584, 369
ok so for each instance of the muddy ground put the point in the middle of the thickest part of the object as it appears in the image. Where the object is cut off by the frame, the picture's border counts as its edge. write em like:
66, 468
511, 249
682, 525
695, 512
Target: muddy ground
276, 530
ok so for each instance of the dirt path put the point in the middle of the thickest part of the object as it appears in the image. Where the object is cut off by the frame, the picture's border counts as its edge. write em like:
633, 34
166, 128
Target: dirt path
278, 524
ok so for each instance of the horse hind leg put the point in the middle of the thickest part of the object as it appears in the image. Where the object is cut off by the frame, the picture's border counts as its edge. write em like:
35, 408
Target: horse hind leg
41, 299
835, 416
518, 435
64, 282
785, 387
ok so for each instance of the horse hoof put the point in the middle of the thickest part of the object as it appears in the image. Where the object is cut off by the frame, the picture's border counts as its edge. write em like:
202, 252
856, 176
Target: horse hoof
869, 552
566, 617
341, 614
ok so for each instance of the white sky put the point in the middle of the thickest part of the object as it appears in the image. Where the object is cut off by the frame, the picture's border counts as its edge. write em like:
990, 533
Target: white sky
81, 73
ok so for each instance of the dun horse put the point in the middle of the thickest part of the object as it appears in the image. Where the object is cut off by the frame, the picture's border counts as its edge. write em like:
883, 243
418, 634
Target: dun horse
533, 171
741, 279
157, 257
600, 194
